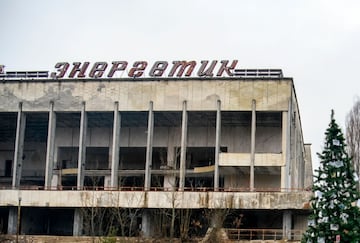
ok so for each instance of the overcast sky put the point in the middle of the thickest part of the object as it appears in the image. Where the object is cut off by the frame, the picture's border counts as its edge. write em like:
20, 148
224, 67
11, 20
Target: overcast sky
317, 42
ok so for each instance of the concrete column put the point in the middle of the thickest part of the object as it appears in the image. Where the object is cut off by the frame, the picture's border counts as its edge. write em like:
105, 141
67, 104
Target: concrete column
296, 169
170, 179
217, 145
286, 129
115, 147
19, 147
50, 147
55, 181
12, 221
107, 183
56, 178
217, 218
149, 145
285, 152
253, 133
147, 228
287, 222
78, 222
183, 147
82, 148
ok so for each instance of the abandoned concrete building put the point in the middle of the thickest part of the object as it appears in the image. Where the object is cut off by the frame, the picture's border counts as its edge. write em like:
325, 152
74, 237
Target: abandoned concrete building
153, 157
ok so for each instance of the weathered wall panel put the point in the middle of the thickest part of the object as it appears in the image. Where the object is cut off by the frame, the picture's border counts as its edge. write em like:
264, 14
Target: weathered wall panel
243, 159
135, 96
243, 200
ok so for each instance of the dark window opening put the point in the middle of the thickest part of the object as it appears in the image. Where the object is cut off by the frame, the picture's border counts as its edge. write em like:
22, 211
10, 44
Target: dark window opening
132, 158
8, 168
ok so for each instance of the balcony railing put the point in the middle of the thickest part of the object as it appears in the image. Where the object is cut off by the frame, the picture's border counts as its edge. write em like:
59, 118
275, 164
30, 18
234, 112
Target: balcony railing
263, 234
140, 188
25, 74
258, 73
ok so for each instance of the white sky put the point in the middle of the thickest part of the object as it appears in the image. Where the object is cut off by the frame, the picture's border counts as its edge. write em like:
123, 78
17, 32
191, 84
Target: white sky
317, 42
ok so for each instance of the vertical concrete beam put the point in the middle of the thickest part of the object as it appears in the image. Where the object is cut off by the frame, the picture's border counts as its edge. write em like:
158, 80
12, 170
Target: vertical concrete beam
217, 145
287, 219
183, 147
78, 222
149, 148
289, 146
253, 133
146, 226
56, 178
12, 221
286, 150
296, 167
216, 218
170, 179
82, 148
115, 147
50, 146
19, 147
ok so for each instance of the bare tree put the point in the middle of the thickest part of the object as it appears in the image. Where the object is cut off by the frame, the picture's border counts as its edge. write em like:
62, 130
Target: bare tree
353, 135
93, 217
124, 220
101, 221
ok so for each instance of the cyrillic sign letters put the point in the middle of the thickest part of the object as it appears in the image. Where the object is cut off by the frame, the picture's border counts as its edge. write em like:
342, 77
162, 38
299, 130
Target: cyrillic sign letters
139, 69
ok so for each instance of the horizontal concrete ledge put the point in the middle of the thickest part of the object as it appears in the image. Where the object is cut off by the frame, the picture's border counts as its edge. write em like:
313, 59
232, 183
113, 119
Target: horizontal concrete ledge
142, 79
156, 199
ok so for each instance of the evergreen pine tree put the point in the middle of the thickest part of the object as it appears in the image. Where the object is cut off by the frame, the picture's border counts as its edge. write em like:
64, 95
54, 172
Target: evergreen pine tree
335, 216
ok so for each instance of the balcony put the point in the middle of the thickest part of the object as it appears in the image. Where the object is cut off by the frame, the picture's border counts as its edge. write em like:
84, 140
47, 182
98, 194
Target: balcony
157, 198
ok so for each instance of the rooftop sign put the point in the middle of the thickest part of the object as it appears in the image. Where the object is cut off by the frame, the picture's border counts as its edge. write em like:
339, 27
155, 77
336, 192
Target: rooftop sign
142, 69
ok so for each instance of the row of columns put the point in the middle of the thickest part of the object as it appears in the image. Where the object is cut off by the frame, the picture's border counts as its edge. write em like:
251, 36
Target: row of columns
50, 160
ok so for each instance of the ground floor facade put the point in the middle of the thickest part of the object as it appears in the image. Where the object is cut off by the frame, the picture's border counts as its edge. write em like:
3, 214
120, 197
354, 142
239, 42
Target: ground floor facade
154, 214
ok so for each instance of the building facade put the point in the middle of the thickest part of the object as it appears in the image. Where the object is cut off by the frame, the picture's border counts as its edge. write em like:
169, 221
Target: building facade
168, 155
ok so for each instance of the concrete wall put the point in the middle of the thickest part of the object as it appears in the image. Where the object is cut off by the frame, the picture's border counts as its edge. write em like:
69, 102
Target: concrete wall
135, 95
152, 199
243, 159
308, 167
297, 151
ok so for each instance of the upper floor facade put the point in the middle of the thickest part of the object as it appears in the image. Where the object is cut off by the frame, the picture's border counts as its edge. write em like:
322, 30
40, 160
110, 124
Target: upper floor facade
176, 134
